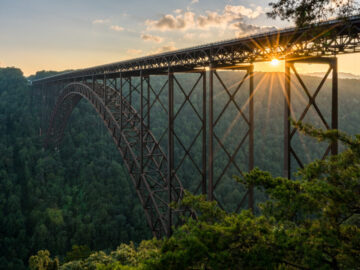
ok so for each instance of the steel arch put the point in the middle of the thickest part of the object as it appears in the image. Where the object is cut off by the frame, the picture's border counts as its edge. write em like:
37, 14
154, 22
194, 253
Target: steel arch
148, 171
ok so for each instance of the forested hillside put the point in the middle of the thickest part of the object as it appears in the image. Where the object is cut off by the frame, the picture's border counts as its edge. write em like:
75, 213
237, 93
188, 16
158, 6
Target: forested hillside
81, 194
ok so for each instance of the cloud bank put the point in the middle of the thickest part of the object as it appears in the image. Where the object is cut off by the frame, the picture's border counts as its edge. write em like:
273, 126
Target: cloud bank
231, 17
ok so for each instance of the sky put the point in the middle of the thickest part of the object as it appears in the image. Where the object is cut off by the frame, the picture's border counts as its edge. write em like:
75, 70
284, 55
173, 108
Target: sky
70, 34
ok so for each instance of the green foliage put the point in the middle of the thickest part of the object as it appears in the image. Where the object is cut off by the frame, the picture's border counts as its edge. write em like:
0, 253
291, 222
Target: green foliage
78, 253
303, 12
42, 261
79, 195
125, 257
310, 223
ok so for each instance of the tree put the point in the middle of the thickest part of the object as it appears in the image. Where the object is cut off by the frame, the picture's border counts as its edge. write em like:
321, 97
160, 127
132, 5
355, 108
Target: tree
303, 12
78, 253
42, 261
309, 223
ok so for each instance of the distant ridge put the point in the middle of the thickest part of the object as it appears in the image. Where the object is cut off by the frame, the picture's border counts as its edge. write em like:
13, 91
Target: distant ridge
341, 75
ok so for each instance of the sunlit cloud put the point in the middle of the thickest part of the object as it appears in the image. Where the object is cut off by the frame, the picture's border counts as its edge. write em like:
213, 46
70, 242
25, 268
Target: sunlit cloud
170, 22
243, 11
232, 17
100, 21
117, 28
214, 19
153, 38
244, 29
194, 1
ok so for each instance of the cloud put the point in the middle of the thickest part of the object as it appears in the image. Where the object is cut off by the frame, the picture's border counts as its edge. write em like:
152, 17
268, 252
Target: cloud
243, 11
189, 20
229, 15
117, 28
153, 38
213, 19
194, 1
170, 22
245, 29
100, 21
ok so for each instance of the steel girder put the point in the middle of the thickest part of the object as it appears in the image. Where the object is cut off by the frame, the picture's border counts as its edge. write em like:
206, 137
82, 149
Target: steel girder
326, 38
142, 154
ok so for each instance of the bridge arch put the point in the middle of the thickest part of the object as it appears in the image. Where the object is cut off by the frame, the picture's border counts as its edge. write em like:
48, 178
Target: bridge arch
149, 172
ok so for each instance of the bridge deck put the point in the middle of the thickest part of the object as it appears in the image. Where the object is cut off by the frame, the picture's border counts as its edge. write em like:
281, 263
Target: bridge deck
326, 38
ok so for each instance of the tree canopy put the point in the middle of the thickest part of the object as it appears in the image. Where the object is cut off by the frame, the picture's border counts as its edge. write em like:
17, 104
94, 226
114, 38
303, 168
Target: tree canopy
304, 12
308, 223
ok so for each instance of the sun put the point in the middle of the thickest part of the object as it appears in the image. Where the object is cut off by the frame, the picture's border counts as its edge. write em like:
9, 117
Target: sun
275, 62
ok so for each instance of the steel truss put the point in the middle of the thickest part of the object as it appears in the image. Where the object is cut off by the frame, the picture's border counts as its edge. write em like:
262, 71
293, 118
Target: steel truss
142, 155
156, 161
151, 160
125, 96
289, 131
239, 143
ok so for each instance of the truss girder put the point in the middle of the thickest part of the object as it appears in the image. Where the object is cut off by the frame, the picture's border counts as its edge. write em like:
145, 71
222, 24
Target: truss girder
323, 39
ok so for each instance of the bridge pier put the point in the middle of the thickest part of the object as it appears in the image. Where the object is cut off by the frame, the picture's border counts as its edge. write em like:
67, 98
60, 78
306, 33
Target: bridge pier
214, 137
289, 132
170, 154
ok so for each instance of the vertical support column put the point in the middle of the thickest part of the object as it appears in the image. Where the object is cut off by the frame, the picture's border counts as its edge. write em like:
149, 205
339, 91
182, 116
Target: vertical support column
211, 134
334, 110
141, 139
42, 109
170, 144
104, 93
121, 101
115, 100
116, 87
287, 103
148, 102
130, 91
203, 184
251, 133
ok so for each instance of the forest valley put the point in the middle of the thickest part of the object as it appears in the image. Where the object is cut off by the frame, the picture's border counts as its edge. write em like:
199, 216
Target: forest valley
76, 208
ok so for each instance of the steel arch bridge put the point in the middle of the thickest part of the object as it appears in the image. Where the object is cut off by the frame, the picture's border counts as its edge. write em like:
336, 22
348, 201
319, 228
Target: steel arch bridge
129, 94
